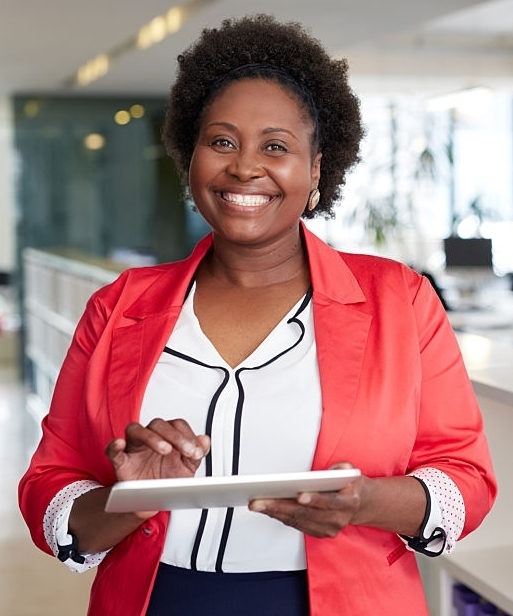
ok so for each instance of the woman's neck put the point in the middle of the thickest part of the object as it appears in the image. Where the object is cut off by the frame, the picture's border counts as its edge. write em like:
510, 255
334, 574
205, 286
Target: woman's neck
256, 267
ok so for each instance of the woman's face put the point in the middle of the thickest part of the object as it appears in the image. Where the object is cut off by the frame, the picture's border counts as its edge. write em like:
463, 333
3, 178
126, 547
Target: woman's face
252, 168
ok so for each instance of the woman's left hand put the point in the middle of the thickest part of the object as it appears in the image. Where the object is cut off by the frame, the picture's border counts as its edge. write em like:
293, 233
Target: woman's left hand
320, 514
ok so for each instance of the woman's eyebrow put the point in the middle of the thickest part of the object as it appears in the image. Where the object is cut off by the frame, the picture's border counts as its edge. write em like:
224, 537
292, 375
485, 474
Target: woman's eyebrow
278, 129
270, 130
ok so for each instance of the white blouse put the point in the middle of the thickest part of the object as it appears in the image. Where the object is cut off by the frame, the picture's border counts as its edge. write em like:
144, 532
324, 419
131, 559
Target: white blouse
258, 423
263, 417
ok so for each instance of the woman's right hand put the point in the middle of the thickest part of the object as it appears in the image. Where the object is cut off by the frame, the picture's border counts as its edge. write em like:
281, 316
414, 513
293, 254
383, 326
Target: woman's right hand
162, 449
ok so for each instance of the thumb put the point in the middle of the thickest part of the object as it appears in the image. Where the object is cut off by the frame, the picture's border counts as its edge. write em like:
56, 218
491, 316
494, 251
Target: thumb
341, 466
115, 451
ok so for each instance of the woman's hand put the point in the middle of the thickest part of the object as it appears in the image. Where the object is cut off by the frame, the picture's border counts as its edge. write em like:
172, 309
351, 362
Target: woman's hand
160, 450
320, 514
396, 504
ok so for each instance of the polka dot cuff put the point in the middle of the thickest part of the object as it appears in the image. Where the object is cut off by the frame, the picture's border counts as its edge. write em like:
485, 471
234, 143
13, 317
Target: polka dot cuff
55, 523
447, 506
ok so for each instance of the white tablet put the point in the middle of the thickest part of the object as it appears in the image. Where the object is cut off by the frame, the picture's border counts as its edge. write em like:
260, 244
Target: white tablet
231, 491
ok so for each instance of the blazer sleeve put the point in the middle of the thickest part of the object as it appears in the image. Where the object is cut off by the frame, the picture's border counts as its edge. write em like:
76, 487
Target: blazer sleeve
59, 459
450, 430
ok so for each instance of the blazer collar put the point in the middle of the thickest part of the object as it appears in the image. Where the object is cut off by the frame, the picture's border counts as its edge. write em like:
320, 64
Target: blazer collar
331, 278
169, 292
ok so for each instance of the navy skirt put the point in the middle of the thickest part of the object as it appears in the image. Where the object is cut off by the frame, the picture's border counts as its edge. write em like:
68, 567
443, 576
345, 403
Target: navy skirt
182, 592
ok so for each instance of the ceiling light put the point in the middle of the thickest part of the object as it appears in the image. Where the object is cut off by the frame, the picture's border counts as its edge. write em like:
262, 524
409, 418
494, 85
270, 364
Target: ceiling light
122, 117
144, 38
31, 108
174, 19
94, 141
152, 32
137, 111
158, 28
92, 70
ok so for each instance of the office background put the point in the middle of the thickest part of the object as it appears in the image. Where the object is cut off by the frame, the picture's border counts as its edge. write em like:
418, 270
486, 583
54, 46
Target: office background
83, 90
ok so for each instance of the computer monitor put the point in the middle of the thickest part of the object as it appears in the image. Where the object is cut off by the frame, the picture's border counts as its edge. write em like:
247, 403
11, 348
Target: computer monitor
468, 253
469, 269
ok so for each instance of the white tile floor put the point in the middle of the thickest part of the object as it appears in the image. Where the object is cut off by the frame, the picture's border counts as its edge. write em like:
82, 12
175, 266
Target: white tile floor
31, 583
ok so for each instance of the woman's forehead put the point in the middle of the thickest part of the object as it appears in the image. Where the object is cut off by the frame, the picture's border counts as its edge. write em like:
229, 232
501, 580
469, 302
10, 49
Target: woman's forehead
260, 94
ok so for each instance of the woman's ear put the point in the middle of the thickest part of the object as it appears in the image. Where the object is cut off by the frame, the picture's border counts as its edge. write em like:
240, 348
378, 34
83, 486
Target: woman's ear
316, 169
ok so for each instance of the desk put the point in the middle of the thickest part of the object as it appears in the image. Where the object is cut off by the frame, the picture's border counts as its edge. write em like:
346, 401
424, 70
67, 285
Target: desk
490, 315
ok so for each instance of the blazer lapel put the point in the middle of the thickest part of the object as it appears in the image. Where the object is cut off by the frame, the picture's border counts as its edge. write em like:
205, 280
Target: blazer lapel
138, 343
341, 332
135, 351
341, 336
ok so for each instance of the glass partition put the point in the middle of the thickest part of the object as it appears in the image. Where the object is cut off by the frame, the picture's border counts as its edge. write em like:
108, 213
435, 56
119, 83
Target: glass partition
93, 175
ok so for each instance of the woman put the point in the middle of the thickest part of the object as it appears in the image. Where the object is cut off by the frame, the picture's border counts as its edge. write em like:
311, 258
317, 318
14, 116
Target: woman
264, 351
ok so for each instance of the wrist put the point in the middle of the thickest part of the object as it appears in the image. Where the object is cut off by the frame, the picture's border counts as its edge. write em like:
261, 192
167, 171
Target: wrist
363, 515
396, 504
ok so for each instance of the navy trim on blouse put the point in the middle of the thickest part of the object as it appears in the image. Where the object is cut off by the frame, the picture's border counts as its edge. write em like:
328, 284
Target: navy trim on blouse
237, 431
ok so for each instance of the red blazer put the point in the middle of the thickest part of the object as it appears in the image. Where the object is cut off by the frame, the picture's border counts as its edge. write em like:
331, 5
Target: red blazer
395, 393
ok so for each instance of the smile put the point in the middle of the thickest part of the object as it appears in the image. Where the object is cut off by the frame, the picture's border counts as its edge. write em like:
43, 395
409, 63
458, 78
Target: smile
246, 200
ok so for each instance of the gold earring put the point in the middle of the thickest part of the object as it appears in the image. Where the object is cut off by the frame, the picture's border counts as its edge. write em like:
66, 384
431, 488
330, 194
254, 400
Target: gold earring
313, 200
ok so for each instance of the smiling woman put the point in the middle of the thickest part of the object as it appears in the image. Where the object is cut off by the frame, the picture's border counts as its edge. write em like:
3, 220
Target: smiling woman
251, 179
265, 351
253, 175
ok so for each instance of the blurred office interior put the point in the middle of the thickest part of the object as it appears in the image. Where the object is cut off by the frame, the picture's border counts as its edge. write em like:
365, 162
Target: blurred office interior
86, 188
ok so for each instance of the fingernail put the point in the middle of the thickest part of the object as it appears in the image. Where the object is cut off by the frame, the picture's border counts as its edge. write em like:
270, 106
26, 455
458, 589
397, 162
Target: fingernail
165, 447
196, 453
304, 498
258, 505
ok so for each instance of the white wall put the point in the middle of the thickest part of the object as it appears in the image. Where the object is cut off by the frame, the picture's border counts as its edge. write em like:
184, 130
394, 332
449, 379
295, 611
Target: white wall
7, 167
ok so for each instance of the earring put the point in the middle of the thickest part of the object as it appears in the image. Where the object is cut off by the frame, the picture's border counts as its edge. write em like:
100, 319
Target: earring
313, 200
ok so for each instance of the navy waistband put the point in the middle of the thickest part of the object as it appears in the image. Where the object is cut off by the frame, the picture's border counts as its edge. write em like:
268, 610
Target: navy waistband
182, 592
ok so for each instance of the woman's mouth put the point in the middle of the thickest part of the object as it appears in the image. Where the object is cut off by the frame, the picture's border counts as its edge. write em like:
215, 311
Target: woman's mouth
246, 200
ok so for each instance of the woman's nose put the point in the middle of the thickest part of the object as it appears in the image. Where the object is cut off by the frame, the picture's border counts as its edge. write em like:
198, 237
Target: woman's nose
246, 165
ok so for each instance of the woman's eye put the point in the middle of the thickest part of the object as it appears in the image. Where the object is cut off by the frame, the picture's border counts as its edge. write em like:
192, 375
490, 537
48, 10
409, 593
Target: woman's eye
276, 147
221, 143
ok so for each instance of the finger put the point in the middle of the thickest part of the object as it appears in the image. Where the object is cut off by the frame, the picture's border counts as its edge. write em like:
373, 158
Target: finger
115, 447
285, 507
115, 451
317, 523
331, 510
341, 465
347, 499
191, 441
179, 434
205, 443
328, 500
138, 436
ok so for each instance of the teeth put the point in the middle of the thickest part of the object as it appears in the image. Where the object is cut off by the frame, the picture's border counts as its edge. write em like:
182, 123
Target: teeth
246, 199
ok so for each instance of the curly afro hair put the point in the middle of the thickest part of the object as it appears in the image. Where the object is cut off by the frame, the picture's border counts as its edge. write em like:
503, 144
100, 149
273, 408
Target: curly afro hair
260, 46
